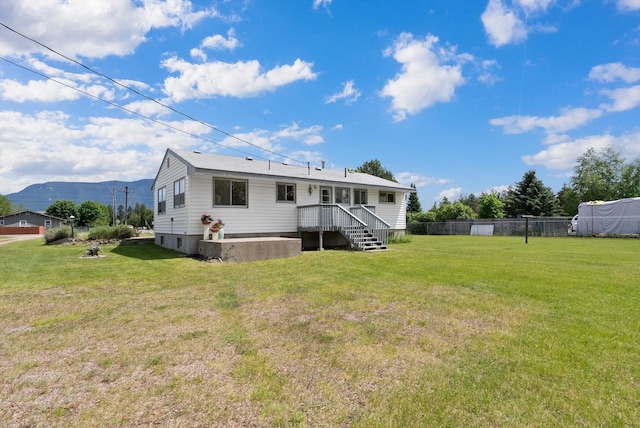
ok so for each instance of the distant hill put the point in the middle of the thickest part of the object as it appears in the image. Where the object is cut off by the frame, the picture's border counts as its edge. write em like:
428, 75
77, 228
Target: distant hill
38, 197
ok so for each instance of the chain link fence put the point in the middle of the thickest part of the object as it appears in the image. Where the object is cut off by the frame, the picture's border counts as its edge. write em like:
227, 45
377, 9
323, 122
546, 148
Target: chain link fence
538, 226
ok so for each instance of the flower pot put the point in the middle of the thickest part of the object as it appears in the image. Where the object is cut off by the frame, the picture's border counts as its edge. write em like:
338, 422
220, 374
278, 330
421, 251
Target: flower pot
221, 234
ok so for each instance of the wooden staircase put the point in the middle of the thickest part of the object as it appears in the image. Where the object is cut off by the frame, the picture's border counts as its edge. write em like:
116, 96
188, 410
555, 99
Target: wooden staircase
362, 239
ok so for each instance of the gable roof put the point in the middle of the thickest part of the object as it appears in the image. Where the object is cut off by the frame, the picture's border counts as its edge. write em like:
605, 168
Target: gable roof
19, 213
224, 165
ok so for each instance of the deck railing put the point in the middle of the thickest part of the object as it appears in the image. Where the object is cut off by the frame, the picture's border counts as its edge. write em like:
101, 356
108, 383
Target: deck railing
326, 218
377, 226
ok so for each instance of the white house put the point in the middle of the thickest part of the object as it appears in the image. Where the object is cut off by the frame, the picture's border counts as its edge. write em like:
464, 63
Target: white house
271, 199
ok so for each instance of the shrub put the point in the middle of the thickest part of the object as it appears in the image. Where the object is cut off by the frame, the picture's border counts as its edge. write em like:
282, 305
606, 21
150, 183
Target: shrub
55, 234
112, 232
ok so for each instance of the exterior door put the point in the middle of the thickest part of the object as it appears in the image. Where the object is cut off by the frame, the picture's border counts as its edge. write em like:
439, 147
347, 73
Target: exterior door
326, 214
325, 195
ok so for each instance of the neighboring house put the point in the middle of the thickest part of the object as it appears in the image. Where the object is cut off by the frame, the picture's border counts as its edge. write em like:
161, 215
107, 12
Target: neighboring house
267, 198
27, 221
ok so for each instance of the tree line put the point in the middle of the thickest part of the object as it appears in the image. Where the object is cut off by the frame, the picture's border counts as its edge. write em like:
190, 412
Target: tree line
92, 213
598, 175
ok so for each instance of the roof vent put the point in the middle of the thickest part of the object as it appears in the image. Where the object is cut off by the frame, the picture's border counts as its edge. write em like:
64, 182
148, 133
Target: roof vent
249, 158
197, 152
323, 163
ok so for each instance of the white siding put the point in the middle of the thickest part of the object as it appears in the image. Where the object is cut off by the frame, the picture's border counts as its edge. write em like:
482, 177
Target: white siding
166, 177
263, 213
394, 214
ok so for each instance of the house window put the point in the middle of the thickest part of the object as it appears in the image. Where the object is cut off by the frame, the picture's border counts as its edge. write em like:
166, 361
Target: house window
360, 197
162, 200
47, 224
387, 197
179, 243
342, 195
229, 192
178, 193
285, 192
23, 223
161, 239
2, 222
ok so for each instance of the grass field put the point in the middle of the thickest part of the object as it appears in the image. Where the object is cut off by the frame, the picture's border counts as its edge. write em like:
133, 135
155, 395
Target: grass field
441, 331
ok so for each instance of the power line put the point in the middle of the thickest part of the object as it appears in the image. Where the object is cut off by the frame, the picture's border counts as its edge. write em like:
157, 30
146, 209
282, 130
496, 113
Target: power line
123, 108
140, 94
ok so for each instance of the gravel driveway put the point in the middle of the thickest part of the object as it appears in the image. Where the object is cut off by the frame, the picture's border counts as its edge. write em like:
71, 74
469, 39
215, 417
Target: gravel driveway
6, 239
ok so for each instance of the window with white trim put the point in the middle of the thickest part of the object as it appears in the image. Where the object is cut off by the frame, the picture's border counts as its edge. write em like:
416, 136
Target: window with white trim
24, 223
360, 197
178, 193
47, 224
387, 197
285, 192
162, 200
232, 193
342, 195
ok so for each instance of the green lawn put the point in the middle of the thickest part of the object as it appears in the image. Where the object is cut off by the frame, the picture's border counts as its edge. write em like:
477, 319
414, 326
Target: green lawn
441, 331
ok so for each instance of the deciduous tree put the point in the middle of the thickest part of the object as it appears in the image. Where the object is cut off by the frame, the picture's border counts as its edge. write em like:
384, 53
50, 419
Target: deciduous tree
63, 209
5, 205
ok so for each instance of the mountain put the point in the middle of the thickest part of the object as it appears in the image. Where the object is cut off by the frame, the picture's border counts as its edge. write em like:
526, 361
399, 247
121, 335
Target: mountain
38, 197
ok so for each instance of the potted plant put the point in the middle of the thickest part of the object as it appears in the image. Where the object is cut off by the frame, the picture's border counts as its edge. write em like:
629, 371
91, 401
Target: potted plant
206, 219
216, 226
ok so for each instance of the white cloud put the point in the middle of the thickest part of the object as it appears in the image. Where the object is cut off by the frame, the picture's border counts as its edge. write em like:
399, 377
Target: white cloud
534, 6
37, 90
451, 194
623, 99
348, 93
273, 140
502, 24
570, 118
563, 156
240, 79
47, 146
318, 3
337, 127
487, 76
628, 5
91, 28
425, 79
309, 136
218, 42
408, 178
614, 71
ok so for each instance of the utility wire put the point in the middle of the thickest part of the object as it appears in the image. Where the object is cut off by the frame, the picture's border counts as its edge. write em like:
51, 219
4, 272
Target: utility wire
140, 94
124, 108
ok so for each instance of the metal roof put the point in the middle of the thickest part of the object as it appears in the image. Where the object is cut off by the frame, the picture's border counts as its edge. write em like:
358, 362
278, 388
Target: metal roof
224, 165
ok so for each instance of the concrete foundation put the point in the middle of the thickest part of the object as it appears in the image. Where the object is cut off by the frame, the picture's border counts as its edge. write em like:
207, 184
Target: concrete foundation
250, 249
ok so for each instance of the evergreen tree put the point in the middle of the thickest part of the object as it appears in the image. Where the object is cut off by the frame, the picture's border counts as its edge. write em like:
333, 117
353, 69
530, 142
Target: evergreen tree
374, 167
413, 204
530, 196
471, 201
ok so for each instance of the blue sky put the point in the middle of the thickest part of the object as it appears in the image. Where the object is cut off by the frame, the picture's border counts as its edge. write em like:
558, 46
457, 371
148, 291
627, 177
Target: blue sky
457, 97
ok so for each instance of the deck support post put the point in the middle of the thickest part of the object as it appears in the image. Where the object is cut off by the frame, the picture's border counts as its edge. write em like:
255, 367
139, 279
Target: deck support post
320, 238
